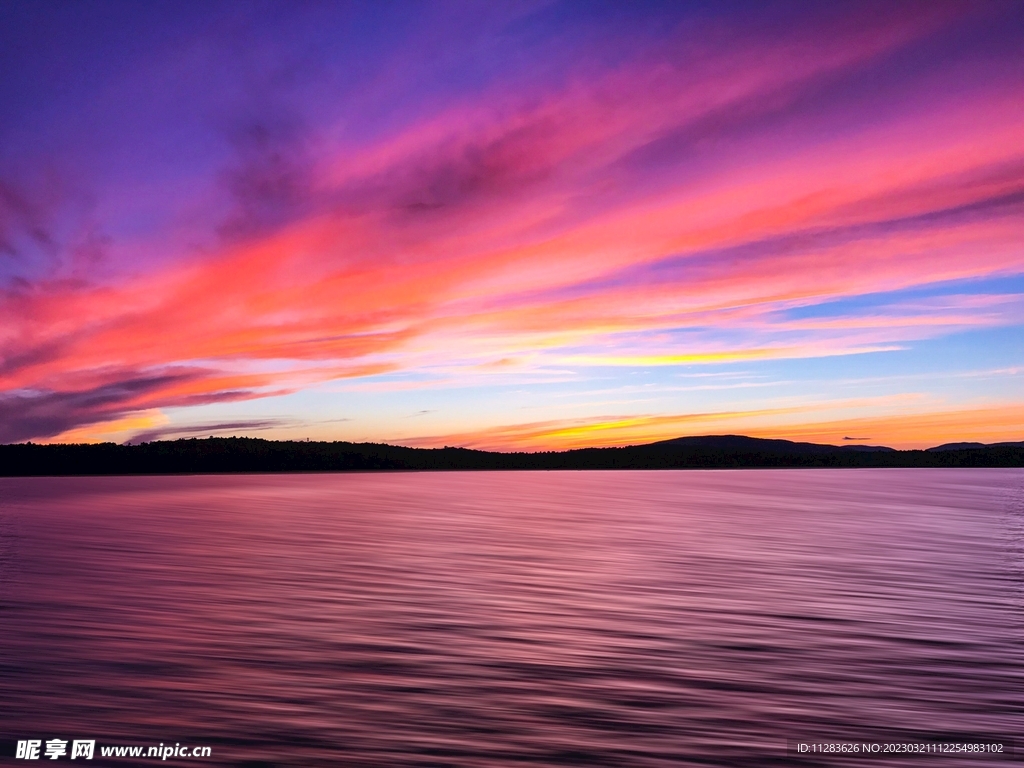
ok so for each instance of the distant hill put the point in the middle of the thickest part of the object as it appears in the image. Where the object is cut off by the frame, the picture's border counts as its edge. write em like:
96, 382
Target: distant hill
245, 454
744, 443
972, 446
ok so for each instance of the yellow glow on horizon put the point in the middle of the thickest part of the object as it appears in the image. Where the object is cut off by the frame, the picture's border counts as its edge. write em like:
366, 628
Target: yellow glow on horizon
921, 429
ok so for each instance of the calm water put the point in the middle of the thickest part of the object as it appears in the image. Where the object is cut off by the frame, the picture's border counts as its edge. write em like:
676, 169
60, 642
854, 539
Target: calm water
507, 619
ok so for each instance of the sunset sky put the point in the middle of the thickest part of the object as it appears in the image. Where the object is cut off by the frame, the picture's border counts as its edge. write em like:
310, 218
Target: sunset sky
512, 225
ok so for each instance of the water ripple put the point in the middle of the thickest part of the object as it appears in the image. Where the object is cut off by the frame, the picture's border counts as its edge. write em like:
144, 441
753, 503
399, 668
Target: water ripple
514, 619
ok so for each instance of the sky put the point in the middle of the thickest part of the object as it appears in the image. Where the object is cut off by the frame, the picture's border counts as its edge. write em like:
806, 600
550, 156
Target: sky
512, 226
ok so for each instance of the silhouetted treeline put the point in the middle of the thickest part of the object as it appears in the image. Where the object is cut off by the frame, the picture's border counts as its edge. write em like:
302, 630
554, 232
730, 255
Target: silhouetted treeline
242, 454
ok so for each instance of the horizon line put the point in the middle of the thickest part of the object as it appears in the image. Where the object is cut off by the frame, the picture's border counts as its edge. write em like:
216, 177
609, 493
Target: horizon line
846, 448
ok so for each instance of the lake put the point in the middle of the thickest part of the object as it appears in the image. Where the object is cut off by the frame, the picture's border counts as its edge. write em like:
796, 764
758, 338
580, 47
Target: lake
625, 618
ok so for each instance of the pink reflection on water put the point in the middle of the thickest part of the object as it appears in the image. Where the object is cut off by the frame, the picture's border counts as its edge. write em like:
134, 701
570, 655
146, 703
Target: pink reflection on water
624, 618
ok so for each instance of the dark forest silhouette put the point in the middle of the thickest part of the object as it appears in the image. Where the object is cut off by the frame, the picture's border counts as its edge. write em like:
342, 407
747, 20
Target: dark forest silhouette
245, 454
